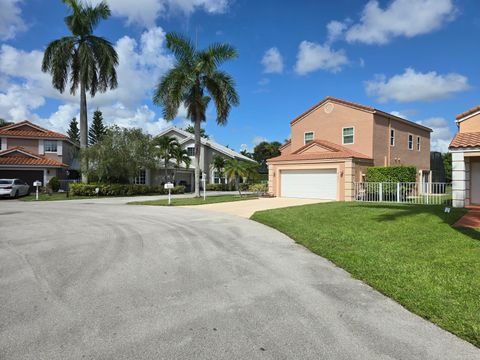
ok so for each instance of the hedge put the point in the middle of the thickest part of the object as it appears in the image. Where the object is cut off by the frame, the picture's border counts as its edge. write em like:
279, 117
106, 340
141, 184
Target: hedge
391, 174
218, 187
120, 189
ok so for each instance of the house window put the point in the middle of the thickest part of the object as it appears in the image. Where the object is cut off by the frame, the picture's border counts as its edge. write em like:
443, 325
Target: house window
410, 142
191, 151
392, 137
348, 134
217, 179
308, 137
418, 143
140, 179
50, 146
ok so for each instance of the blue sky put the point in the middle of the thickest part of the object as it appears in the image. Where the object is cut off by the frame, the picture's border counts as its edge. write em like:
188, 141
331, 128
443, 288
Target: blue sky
414, 58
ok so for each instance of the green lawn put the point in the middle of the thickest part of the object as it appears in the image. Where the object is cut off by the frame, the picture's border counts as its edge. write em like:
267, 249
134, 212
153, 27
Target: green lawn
194, 201
408, 252
53, 197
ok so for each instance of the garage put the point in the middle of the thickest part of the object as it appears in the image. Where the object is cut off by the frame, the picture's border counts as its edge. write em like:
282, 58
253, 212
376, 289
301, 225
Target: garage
29, 176
309, 184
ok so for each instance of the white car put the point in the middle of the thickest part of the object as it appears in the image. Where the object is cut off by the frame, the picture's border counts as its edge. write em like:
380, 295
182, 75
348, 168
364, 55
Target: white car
13, 188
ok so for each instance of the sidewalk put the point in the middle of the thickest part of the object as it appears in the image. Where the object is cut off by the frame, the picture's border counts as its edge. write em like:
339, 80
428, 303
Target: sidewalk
470, 219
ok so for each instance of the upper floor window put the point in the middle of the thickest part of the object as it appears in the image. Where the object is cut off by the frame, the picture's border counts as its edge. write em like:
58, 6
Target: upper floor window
191, 151
308, 137
348, 135
392, 137
50, 146
418, 143
410, 142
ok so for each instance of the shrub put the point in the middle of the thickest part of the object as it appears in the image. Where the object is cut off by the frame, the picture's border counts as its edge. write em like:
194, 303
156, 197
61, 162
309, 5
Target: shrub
218, 187
54, 184
244, 187
121, 189
260, 188
391, 174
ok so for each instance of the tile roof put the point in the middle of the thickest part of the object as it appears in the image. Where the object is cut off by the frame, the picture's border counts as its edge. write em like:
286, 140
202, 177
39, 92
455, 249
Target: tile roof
468, 112
30, 160
334, 151
463, 140
36, 131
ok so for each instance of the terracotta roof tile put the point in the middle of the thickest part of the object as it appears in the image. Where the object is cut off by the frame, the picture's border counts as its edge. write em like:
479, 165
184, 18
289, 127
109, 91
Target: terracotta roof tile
8, 157
463, 140
37, 131
468, 112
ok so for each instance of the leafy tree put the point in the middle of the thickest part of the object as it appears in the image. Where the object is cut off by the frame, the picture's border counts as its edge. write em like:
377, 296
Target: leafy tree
97, 129
73, 132
266, 150
236, 169
203, 133
4, 122
166, 146
245, 152
219, 164
180, 156
121, 155
86, 61
447, 164
194, 80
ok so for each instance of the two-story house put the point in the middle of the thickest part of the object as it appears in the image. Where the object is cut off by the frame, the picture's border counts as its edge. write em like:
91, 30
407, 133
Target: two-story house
465, 149
30, 152
333, 143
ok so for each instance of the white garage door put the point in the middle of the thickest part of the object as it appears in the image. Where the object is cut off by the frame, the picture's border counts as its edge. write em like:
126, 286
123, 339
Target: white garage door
309, 184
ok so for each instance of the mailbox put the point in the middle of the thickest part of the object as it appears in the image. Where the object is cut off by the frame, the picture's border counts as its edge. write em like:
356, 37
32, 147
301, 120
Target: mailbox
37, 183
168, 185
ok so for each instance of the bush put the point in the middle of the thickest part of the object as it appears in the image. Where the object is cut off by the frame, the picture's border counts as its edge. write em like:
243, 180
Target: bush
121, 189
244, 187
54, 184
260, 188
218, 187
392, 174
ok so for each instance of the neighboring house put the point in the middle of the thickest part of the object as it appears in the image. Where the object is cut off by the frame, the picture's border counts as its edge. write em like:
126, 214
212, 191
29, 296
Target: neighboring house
186, 176
31, 152
465, 149
334, 142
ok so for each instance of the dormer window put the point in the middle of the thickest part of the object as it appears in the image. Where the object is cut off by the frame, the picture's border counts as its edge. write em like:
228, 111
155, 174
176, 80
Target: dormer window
308, 137
348, 135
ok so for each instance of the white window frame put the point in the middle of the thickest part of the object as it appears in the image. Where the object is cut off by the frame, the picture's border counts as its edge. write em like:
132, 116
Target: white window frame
308, 132
353, 135
410, 136
45, 147
188, 151
141, 178
392, 137
419, 146
221, 180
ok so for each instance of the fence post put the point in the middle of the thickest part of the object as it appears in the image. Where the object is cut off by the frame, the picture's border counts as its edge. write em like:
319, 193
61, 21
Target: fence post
380, 191
398, 192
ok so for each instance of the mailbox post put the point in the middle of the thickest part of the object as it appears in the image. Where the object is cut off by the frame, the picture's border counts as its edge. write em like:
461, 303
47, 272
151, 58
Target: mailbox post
169, 186
204, 182
37, 184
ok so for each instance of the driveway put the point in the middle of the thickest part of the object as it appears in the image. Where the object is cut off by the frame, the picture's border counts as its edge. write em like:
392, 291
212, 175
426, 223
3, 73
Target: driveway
248, 207
103, 281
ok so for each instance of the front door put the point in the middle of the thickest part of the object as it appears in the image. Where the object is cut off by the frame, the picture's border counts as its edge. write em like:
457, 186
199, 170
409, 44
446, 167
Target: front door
475, 182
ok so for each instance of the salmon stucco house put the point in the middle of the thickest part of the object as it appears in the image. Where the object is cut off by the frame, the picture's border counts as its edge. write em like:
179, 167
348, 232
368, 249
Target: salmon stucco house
465, 149
333, 143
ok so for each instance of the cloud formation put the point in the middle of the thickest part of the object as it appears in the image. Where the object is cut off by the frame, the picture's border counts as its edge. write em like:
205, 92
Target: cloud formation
272, 61
312, 57
11, 21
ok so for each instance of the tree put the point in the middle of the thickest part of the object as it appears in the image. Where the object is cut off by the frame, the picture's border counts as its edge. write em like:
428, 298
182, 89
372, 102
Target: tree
266, 150
180, 156
447, 164
86, 61
245, 152
97, 129
121, 155
218, 165
166, 146
73, 132
234, 170
4, 122
196, 74
203, 133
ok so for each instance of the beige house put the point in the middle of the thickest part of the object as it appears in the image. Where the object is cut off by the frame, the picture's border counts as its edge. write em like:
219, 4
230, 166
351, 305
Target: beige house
333, 143
30, 152
465, 149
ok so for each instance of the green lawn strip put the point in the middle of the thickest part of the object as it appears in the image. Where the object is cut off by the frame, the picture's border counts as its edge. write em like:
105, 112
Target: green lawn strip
194, 201
63, 196
408, 252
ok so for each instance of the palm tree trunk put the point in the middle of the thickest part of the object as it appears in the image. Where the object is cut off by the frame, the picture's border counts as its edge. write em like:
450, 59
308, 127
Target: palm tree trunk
197, 155
83, 130
237, 180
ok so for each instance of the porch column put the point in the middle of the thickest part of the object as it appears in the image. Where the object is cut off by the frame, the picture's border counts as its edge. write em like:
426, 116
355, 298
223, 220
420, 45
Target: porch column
349, 178
459, 180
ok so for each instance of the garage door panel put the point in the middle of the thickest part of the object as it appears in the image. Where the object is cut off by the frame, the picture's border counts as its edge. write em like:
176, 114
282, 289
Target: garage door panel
314, 184
29, 176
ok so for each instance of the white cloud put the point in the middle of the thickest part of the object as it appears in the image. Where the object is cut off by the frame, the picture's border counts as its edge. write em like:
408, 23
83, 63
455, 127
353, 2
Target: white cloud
312, 56
258, 139
272, 61
406, 18
399, 114
11, 21
441, 135
335, 30
416, 86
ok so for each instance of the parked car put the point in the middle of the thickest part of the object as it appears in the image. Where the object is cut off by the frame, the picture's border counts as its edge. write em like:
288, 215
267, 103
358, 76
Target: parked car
13, 188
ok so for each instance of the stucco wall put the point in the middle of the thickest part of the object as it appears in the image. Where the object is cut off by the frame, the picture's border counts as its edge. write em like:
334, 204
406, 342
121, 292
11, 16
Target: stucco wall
28, 144
470, 125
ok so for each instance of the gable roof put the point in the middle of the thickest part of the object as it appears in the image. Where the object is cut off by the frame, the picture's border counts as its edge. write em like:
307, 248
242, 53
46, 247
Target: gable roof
334, 151
353, 105
35, 132
475, 109
465, 140
8, 157
206, 142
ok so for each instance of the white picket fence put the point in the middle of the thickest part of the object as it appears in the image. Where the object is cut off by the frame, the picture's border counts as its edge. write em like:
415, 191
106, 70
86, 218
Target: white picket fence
404, 192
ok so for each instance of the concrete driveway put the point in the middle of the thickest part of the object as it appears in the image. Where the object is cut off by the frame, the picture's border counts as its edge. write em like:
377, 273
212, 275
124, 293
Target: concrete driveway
248, 207
102, 281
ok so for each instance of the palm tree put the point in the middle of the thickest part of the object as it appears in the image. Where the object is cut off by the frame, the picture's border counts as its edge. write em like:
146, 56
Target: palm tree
236, 169
196, 74
218, 165
180, 156
166, 146
83, 59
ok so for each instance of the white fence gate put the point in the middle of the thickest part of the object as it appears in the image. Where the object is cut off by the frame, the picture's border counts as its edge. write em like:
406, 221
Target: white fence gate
404, 192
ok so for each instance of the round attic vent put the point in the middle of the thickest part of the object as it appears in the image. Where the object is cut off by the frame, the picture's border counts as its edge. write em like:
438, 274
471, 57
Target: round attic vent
328, 108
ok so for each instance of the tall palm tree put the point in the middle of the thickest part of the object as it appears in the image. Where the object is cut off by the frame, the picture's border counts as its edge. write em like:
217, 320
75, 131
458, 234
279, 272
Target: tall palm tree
218, 165
181, 157
194, 81
234, 170
166, 146
83, 59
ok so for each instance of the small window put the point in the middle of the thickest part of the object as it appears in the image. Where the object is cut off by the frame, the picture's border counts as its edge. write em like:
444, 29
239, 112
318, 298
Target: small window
418, 143
50, 146
410, 142
140, 179
392, 137
308, 137
217, 179
191, 151
348, 134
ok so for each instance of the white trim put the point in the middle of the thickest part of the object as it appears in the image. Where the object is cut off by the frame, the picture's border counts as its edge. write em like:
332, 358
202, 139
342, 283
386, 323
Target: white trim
390, 141
59, 147
343, 136
408, 142
467, 117
3, 144
308, 132
40, 147
463, 150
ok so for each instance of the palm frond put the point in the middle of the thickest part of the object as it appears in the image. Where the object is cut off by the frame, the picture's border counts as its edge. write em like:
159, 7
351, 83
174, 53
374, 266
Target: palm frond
181, 47
221, 87
58, 59
216, 54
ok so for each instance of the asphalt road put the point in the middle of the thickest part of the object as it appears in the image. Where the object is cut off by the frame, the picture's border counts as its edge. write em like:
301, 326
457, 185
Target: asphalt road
103, 281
